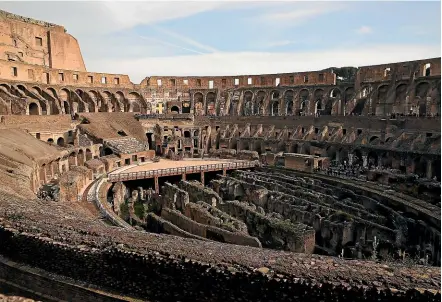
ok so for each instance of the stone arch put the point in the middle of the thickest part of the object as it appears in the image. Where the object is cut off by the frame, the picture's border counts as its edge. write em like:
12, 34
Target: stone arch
422, 89
88, 154
357, 157
400, 93
50, 97
87, 100
248, 103
72, 159
80, 158
119, 97
259, 102
211, 104
100, 103
112, 104
372, 159
304, 95
34, 97
374, 140
135, 102
60, 142
174, 110
50, 141
198, 101
274, 95
196, 133
186, 133
288, 100
65, 98
33, 109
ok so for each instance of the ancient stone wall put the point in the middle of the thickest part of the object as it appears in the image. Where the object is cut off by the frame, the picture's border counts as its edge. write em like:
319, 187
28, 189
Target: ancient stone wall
198, 192
273, 233
207, 231
38, 43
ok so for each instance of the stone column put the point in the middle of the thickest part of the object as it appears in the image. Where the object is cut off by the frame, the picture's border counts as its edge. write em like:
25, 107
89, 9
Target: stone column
365, 160
350, 158
183, 177
429, 169
202, 177
224, 172
157, 185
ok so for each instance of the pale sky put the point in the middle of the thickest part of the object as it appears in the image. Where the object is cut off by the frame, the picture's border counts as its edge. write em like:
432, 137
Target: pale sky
249, 37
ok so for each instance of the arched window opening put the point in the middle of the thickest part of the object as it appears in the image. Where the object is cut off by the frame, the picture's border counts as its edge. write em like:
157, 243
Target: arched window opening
60, 141
174, 110
427, 70
33, 109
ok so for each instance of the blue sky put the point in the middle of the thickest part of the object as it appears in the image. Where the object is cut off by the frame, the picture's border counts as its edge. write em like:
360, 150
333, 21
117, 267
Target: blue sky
248, 37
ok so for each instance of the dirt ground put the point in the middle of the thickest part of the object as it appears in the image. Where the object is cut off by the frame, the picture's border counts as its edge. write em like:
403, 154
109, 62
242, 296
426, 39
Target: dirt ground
165, 163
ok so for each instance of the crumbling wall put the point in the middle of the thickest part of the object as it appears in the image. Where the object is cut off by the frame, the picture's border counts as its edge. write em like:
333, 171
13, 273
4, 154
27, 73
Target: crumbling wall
207, 231
198, 192
271, 232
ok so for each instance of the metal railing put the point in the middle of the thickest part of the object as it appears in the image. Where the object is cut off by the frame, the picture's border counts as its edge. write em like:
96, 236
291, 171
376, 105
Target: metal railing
180, 170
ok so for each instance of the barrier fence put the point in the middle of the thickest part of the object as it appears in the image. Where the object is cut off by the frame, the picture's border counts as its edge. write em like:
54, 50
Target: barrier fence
179, 171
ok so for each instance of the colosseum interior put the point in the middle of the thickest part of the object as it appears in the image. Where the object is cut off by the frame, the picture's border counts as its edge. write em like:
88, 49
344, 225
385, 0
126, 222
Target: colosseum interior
269, 187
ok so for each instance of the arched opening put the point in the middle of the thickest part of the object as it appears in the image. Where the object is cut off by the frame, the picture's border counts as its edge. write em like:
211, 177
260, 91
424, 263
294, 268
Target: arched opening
275, 94
288, 98
198, 100
357, 157
67, 108
420, 166
121, 133
259, 103
211, 104
422, 105
303, 102
88, 154
374, 140
149, 139
186, 133
33, 109
275, 108
72, 159
50, 141
248, 103
196, 133
174, 110
80, 158
318, 107
372, 159
60, 141
427, 70
108, 151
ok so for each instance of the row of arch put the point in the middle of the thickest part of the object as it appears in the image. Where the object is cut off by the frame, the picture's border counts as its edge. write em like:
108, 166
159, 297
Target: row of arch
46, 101
403, 98
76, 158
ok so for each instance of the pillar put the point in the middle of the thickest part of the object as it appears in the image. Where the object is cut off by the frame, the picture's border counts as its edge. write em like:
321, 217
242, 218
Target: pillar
350, 158
365, 161
429, 169
224, 172
183, 177
202, 177
157, 185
